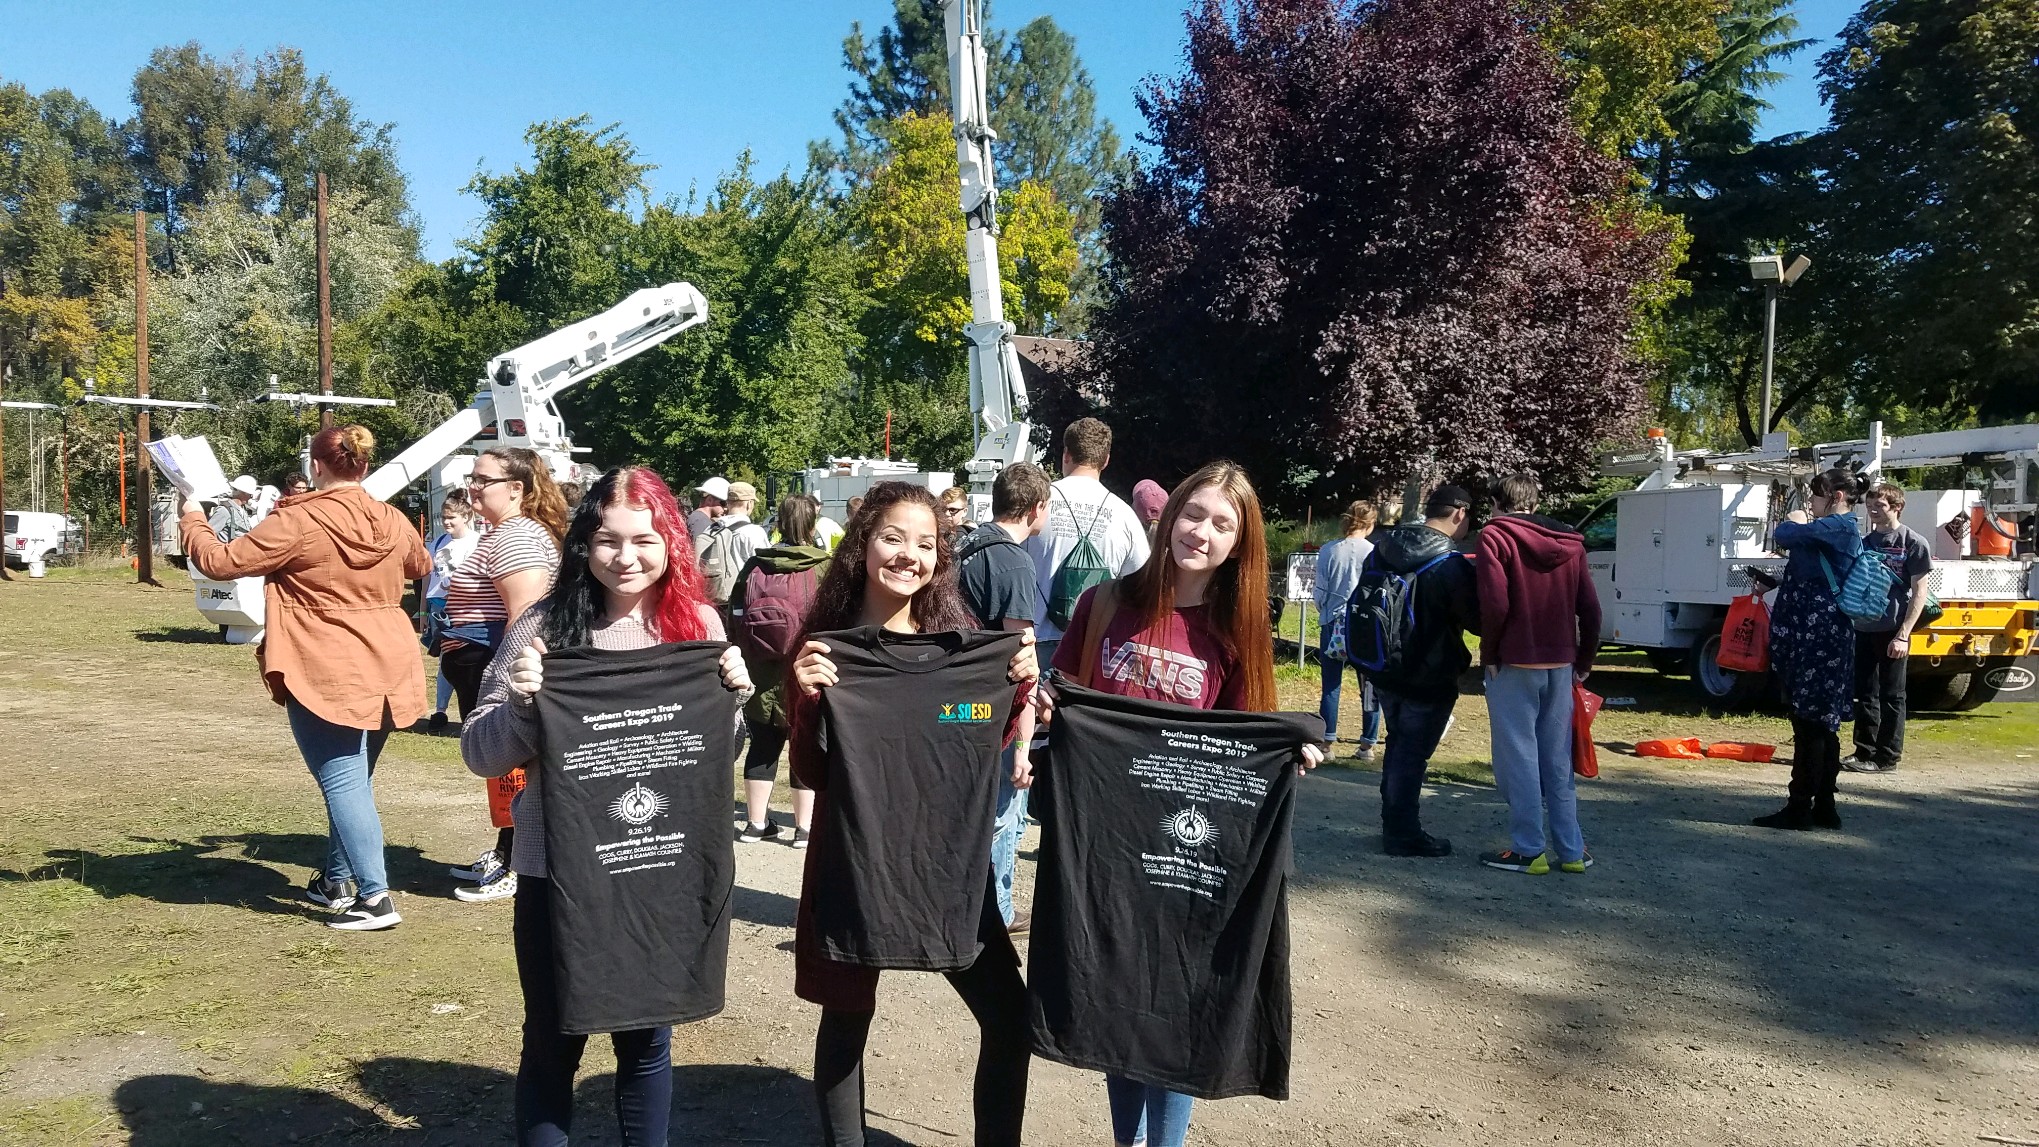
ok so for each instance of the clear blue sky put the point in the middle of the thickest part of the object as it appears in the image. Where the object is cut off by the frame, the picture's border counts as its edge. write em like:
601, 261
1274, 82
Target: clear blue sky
692, 83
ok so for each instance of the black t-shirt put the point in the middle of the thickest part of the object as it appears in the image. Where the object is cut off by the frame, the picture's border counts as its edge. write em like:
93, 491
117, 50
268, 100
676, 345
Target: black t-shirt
1161, 938
997, 576
912, 729
635, 780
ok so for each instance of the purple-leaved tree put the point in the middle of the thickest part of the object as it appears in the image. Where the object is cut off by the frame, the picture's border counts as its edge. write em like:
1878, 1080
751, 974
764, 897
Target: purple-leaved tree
1368, 243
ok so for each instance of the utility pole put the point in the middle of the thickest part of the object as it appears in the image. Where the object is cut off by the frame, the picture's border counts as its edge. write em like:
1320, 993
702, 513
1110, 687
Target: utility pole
325, 308
145, 530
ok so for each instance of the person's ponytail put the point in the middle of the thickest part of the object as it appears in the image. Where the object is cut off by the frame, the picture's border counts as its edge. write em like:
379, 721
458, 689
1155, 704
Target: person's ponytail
345, 451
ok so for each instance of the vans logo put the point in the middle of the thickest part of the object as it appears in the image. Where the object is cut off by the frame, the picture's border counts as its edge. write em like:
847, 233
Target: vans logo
965, 713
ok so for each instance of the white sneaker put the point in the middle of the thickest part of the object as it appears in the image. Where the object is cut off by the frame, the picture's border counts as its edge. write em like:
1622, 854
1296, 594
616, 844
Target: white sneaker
502, 884
484, 866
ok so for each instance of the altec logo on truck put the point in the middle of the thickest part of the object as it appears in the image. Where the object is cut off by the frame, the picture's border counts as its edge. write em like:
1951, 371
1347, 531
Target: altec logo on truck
1669, 556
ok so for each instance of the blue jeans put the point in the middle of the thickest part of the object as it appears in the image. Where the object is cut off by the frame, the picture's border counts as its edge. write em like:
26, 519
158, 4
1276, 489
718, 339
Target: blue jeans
1418, 724
1010, 826
1369, 709
1530, 711
342, 760
1143, 1111
545, 1071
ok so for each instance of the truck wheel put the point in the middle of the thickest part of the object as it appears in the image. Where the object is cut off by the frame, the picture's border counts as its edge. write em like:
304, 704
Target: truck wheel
1980, 691
1937, 694
1670, 662
1724, 687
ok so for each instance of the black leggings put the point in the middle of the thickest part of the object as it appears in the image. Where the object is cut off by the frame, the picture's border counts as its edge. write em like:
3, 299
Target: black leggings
464, 666
996, 996
761, 759
1815, 761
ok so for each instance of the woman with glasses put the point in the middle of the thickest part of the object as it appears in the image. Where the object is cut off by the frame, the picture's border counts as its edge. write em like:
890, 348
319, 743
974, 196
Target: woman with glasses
510, 569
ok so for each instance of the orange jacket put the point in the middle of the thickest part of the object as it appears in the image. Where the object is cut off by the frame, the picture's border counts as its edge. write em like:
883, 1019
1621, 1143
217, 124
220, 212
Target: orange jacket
338, 639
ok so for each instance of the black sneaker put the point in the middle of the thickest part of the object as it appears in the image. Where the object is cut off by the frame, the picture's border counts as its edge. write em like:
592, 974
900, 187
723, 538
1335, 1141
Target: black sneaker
437, 724
1422, 844
1855, 764
1824, 815
368, 915
799, 838
338, 895
753, 833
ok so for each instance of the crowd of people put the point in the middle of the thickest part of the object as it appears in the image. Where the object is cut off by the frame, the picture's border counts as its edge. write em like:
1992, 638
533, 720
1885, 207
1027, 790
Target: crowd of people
1159, 599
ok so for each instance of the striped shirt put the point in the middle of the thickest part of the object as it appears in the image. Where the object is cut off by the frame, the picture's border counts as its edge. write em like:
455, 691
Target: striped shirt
518, 544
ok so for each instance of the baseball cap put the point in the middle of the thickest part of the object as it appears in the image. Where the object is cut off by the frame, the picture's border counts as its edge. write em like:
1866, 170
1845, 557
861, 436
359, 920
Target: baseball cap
1445, 499
245, 484
1149, 499
717, 488
741, 492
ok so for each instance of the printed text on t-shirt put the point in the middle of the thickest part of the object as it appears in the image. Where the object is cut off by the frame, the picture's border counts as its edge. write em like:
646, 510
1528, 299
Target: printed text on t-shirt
1155, 668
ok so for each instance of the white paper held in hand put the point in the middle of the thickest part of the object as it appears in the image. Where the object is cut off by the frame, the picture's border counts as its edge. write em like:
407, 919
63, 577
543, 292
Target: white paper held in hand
190, 466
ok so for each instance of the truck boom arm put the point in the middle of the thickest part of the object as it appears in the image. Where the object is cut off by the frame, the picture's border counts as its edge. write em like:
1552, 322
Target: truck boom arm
518, 391
998, 395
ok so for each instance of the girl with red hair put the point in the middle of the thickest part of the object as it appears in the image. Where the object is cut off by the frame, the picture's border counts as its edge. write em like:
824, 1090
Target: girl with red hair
627, 580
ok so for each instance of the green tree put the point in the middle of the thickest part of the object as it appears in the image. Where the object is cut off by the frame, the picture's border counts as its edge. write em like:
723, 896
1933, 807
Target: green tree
550, 234
750, 391
1928, 201
257, 131
243, 306
912, 265
1625, 56
1043, 103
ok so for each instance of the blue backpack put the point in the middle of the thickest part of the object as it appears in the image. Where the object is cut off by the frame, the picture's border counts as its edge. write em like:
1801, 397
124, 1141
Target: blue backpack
1382, 616
1864, 594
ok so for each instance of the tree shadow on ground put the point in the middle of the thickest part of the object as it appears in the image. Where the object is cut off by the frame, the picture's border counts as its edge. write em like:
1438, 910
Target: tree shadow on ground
181, 635
1916, 920
237, 870
422, 1103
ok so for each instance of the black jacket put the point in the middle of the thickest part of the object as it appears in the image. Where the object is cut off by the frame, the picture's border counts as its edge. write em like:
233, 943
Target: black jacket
1447, 607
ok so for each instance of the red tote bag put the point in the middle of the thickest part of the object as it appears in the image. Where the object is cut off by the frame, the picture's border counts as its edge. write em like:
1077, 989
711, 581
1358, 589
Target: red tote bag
1745, 636
1585, 757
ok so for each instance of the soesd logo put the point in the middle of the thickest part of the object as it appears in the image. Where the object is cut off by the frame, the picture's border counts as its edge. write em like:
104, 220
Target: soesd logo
965, 713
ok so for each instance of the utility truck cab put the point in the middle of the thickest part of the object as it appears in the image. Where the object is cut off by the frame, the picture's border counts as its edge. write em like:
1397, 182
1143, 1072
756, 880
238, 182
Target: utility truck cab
32, 540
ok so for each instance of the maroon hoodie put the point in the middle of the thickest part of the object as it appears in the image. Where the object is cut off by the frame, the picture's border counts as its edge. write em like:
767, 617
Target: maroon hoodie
1537, 604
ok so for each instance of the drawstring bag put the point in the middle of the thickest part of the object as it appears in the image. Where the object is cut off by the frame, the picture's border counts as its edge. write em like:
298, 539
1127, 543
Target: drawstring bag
1745, 636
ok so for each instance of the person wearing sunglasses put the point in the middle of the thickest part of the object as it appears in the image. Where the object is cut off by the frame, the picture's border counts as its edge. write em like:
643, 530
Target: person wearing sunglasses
511, 568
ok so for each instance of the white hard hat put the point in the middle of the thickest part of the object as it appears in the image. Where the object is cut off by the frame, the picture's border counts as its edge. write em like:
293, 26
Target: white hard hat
245, 484
717, 488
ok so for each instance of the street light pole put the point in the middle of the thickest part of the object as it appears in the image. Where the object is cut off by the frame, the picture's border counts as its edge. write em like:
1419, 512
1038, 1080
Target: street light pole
1769, 350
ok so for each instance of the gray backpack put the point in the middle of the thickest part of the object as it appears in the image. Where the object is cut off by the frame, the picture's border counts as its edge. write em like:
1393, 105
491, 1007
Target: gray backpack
716, 551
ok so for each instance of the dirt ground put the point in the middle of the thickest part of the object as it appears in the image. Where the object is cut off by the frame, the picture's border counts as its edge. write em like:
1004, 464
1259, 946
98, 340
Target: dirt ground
162, 984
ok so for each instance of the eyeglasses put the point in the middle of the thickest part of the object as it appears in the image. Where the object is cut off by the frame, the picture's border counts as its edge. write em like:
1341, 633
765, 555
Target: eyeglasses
477, 482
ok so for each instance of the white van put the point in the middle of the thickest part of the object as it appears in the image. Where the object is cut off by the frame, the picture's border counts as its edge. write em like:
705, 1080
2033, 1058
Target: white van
34, 540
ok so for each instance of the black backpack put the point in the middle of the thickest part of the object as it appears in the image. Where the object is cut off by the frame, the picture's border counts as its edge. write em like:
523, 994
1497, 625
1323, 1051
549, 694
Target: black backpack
1381, 617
